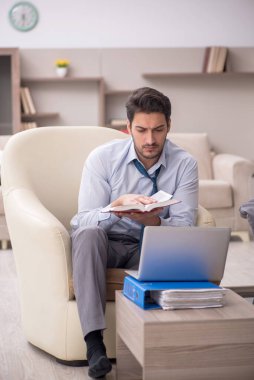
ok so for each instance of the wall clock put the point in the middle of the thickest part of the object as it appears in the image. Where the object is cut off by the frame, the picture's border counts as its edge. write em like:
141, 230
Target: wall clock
23, 16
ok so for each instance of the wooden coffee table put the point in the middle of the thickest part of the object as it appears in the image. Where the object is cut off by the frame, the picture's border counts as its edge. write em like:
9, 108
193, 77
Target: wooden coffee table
200, 344
239, 269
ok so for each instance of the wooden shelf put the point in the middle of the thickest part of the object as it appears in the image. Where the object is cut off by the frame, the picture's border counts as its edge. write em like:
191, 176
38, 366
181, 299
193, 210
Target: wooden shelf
179, 75
118, 92
40, 115
59, 80
80, 87
217, 102
9, 91
5, 125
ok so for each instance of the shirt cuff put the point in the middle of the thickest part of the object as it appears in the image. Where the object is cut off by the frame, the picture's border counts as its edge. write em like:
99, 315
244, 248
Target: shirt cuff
103, 216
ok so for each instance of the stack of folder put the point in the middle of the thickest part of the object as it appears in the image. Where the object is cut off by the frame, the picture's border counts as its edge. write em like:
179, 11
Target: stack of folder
174, 295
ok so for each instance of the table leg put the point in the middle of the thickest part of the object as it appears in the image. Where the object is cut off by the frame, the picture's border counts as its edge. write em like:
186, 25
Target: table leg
127, 366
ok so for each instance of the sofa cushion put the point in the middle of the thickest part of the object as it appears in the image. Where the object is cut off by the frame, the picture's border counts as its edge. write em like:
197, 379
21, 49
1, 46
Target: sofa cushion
215, 194
198, 146
114, 280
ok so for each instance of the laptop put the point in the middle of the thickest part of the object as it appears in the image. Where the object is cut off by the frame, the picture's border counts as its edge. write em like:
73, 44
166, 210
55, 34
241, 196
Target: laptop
182, 254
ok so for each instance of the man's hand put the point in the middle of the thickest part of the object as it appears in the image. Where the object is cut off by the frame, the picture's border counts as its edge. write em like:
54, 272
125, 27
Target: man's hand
149, 218
132, 199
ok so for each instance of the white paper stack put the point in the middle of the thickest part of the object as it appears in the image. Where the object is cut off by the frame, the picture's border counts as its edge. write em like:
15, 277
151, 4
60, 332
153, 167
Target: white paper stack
190, 297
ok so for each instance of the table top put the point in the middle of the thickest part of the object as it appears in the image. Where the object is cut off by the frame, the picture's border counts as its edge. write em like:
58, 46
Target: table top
239, 269
236, 308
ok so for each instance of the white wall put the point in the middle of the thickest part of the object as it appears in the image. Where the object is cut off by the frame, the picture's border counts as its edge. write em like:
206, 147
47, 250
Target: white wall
133, 23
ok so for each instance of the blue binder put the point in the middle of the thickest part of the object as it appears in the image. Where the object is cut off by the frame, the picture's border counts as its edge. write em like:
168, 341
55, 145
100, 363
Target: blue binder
139, 291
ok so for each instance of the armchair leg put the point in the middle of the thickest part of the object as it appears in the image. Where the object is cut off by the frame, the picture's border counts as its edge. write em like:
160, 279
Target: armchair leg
78, 363
4, 244
73, 363
242, 235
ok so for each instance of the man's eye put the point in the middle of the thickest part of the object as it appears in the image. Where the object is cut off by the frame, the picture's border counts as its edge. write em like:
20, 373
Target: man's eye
159, 130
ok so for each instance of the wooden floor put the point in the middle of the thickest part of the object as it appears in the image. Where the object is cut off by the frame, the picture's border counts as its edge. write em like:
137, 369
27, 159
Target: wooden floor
19, 360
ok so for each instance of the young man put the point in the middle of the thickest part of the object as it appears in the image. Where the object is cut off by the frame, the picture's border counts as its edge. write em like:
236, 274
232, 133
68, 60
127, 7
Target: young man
123, 172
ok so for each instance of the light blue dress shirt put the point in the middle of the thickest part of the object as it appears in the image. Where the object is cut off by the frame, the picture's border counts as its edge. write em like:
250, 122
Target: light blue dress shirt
109, 172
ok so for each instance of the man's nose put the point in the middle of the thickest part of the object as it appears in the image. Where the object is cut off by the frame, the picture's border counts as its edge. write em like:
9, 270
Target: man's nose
149, 138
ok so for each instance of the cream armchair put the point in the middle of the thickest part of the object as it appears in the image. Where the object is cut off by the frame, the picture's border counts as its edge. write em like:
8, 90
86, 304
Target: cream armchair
4, 234
225, 180
41, 175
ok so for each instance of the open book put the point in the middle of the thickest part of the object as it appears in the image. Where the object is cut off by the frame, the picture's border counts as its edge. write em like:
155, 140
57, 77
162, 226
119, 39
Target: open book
162, 199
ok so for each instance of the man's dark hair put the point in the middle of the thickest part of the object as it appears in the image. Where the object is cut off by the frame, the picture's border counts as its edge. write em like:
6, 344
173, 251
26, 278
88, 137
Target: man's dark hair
148, 100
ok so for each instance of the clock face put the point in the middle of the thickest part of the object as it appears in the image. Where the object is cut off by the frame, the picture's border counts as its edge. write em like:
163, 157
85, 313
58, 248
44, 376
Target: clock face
23, 16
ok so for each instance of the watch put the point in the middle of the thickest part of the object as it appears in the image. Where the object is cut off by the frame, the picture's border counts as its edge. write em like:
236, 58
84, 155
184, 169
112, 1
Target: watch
23, 16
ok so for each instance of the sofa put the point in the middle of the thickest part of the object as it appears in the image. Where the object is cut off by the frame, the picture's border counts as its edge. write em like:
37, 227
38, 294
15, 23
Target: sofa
225, 180
41, 172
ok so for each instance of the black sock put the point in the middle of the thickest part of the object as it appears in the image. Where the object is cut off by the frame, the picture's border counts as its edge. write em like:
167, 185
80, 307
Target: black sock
94, 343
99, 364
93, 337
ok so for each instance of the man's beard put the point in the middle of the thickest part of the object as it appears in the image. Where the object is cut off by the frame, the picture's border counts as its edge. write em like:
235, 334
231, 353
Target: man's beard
150, 156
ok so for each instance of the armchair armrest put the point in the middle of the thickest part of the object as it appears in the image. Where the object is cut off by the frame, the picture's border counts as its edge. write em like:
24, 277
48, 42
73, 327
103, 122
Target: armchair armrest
231, 168
41, 246
204, 218
239, 172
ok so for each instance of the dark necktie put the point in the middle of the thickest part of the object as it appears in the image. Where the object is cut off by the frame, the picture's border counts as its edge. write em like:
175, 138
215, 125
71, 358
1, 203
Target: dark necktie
143, 171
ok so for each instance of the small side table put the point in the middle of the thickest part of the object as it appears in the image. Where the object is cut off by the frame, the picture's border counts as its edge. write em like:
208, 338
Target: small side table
239, 269
197, 344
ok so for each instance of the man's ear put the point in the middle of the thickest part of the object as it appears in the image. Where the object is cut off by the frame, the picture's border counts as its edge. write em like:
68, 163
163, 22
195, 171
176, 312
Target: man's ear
169, 124
129, 127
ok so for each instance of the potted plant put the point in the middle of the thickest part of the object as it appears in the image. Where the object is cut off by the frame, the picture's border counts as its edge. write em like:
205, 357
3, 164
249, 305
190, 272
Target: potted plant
62, 67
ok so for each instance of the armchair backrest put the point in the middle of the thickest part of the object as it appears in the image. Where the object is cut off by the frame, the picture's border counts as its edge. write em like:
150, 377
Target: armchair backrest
48, 161
197, 145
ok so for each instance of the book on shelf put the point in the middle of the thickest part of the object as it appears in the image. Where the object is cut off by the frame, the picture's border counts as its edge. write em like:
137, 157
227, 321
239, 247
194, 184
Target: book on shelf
171, 295
162, 199
212, 59
28, 125
206, 59
118, 123
221, 60
215, 59
24, 103
27, 101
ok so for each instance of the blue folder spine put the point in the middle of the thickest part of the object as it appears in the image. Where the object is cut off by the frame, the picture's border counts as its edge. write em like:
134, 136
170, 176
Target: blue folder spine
139, 291
133, 292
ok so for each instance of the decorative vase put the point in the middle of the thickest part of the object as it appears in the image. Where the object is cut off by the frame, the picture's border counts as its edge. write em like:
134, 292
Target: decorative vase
61, 71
